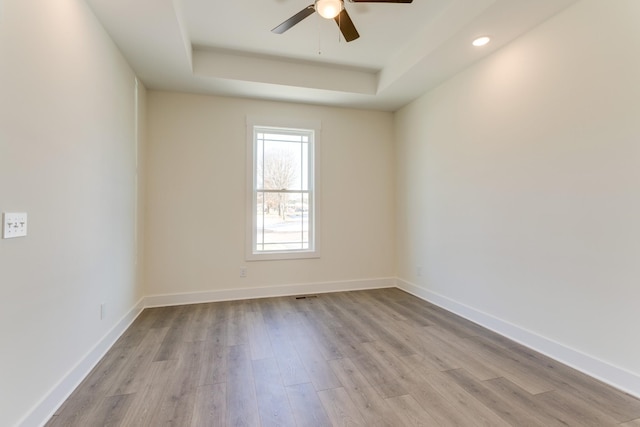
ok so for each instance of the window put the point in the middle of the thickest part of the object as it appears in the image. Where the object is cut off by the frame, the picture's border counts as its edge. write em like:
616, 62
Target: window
282, 201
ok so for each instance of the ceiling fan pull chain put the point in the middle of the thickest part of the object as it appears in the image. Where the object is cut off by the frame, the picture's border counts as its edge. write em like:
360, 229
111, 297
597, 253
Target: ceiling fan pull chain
319, 39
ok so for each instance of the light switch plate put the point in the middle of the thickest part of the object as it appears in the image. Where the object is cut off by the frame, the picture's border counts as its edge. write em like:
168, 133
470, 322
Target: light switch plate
14, 225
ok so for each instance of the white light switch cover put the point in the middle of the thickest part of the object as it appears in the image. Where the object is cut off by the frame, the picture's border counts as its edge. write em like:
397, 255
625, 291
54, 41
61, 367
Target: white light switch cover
14, 225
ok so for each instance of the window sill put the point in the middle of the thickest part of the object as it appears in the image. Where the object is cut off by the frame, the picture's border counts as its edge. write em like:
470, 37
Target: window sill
275, 256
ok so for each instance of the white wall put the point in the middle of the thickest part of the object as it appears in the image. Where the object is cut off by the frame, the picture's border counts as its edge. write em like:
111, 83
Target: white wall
518, 189
67, 158
196, 196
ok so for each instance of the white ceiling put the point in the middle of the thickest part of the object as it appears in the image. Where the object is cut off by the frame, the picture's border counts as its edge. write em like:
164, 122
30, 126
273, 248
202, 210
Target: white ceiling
226, 47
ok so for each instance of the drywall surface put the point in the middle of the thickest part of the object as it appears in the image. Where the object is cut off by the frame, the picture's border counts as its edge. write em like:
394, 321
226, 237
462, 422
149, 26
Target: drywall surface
519, 179
67, 158
195, 217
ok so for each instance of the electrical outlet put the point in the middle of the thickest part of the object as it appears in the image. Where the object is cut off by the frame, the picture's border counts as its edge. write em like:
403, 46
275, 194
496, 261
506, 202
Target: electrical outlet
419, 271
243, 271
14, 225
103, 311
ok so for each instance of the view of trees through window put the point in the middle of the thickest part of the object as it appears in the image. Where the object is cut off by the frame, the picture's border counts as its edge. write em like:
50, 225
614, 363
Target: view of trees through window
282, 190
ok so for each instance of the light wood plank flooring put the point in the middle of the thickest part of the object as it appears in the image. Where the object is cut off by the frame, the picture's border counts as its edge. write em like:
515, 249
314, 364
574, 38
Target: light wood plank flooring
374, 358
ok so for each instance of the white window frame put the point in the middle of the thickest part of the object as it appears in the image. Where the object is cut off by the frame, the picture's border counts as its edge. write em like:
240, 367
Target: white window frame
251, 252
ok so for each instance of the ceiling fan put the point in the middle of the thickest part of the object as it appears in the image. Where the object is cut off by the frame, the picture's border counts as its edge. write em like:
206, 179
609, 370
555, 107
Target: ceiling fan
331, 9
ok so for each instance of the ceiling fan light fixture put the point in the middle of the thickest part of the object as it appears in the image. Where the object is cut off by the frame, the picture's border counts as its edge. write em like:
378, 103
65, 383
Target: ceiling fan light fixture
329, 9
481, 41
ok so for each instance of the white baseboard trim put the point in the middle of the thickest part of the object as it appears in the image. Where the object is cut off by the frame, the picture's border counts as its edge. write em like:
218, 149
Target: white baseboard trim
617, 377
49, 404
266, 292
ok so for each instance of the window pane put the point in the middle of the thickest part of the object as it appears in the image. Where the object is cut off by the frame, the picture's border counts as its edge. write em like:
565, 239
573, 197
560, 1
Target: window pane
281, 168
259, 158
260, 207
285, 224
304, 219
304, 170
281, 161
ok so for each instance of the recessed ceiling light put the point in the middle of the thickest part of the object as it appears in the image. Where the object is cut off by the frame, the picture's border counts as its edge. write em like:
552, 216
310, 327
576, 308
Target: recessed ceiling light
481, 41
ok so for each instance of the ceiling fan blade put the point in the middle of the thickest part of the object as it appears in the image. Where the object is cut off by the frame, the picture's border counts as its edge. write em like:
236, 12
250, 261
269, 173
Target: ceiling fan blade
381, 1
294, 20
346, 26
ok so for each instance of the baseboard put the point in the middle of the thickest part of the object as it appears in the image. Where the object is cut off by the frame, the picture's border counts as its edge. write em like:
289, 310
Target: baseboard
49, 404
267, 292
617, 377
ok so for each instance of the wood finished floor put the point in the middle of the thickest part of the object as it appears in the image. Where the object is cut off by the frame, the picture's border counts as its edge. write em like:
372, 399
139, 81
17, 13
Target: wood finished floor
374, 358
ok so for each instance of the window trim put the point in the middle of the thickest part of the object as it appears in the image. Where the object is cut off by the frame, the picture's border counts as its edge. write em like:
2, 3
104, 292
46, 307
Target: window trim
314, 189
